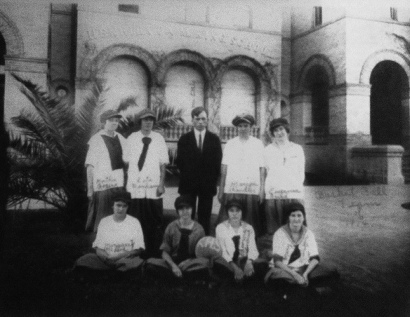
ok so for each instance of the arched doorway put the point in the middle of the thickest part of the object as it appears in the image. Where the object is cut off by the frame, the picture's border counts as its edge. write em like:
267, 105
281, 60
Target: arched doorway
389, 86
2, 75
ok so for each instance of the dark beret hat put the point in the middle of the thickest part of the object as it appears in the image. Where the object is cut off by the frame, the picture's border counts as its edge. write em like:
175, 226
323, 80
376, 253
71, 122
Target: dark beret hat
183, 201
108, 115
278, 122
245, 117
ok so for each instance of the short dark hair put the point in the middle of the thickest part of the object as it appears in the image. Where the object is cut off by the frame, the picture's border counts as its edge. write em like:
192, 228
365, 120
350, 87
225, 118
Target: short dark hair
183, 200
234, 202
123, 196
294, 206
196, 111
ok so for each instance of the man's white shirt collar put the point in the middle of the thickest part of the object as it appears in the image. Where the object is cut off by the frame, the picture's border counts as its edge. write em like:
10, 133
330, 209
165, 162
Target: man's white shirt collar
197, 135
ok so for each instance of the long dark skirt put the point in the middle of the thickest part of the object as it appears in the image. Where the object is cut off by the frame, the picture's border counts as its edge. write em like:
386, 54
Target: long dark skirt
150, 214
100, 206
251, 213
274, 213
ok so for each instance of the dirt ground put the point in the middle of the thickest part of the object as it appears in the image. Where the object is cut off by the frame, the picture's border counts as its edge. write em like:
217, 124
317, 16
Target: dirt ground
362, 230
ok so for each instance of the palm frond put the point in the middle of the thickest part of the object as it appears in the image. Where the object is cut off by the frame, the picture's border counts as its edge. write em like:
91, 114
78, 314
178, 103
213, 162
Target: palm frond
167, 117
126, 103
47, 149
43, 105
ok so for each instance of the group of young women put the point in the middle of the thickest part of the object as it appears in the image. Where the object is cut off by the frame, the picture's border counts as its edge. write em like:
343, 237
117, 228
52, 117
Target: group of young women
251, 176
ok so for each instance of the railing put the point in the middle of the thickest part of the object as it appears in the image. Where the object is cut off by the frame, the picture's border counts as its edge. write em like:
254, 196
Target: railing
227, 133
174, 133
317, 135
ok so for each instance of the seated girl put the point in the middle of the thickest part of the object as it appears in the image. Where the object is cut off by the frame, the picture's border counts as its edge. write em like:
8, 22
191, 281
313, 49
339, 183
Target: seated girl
119, 241
178, 247
237, 240
295, 252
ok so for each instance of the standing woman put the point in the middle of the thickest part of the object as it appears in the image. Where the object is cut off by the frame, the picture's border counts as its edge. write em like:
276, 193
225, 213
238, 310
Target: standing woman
105, 169
243, 173
285, 174
147, 154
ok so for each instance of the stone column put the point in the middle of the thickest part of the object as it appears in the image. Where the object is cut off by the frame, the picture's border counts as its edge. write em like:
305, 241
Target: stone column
300, 114
405, 117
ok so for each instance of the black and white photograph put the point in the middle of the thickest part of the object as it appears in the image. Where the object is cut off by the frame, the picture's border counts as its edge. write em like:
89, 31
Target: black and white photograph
205, 158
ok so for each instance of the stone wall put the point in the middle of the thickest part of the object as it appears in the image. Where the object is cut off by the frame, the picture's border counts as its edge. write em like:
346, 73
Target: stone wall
25, 30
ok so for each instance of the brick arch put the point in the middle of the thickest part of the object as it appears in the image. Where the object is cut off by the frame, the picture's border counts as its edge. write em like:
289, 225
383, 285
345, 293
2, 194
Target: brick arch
12, 36
108, 54
381, 56
314, 61
256, 70
185, 56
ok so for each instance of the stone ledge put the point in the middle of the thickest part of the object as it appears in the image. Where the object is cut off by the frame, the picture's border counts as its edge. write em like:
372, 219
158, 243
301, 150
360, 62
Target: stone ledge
377, 150
381, 164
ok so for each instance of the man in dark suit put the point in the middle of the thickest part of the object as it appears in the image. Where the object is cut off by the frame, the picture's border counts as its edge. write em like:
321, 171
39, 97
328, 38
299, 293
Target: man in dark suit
199, 157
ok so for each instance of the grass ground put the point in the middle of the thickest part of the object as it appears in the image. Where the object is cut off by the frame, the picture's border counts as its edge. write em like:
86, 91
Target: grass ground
36, 280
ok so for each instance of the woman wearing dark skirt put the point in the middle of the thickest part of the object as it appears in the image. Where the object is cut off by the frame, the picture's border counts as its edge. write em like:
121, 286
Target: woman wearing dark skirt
105, 169
285, 174
243, 173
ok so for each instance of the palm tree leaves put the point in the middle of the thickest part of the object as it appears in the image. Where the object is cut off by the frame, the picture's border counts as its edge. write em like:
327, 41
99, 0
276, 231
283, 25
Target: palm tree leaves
166, 116
47, 147
48, 144
43, 125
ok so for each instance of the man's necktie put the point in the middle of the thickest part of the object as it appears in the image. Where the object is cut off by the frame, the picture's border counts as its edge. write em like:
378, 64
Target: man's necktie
143, 155
200, 142
236, 253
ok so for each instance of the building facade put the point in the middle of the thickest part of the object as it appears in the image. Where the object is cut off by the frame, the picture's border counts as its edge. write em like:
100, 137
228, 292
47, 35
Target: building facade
340, 74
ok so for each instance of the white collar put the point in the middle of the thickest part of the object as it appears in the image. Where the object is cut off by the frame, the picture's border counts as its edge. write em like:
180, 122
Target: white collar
197, 133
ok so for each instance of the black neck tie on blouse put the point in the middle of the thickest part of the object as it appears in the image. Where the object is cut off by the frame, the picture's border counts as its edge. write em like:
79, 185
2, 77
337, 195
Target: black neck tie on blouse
114, 150
295, 254
183, 249
236, 253
143, 155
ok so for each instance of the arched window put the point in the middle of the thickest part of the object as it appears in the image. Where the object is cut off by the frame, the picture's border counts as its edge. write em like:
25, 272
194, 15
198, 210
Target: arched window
237, 96
125, 77
184, 89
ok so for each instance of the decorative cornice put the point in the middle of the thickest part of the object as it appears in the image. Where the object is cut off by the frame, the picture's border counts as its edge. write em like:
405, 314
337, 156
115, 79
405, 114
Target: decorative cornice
27, 65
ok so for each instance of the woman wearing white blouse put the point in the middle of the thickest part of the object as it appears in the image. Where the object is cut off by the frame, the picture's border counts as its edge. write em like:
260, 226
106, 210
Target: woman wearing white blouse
285, 174
243, 173
295, 253
237, 241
